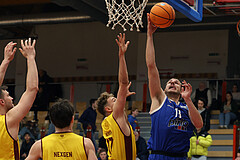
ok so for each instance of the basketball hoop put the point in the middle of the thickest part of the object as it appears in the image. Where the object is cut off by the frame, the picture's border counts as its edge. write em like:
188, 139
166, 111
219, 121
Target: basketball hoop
122, 13
238, 28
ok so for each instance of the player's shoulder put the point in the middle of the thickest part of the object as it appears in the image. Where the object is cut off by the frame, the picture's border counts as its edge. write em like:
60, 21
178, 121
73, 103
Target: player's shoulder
38, 144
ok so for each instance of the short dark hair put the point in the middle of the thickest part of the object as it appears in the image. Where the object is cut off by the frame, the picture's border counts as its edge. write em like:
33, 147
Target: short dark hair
102, 101
203, 100
230, 93
2, 88
92, 101
61, 113
133, 109
102, 150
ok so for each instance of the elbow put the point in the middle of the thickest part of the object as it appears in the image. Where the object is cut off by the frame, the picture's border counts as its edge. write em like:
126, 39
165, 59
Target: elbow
151, 65
33, 89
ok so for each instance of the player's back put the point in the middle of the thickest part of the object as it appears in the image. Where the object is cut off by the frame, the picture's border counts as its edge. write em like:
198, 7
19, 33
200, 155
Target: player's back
9, 148
67, 146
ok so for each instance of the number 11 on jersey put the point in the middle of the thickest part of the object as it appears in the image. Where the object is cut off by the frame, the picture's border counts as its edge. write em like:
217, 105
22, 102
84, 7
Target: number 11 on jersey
178, 113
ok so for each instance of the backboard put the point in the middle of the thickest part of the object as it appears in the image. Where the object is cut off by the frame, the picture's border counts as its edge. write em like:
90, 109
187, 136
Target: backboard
194, 12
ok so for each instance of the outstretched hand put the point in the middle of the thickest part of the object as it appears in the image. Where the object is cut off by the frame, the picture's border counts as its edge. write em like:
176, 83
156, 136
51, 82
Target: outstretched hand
121, 43
128, 92
186, 90
28, 48
10, 51
151, 27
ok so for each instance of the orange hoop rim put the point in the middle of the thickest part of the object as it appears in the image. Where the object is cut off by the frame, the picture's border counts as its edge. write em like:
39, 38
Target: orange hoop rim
238, 27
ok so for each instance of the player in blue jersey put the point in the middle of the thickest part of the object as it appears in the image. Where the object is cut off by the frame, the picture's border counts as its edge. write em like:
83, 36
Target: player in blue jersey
172, 121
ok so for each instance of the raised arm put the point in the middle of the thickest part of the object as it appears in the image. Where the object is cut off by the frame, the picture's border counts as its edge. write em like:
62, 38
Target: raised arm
9, 53
17, 113
123, 91
156, 92
193, 112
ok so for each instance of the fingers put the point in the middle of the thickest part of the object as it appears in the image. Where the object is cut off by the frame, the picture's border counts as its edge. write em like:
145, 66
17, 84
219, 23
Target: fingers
184, 83
117, 42
34, 42
119, 37
131, 93
10, 45
190, 86
22, 43
128, 42
186, 86
14, 50
148, 17
121, 40
123, 37
129, 85
29, 42
20, 49
26, 44
14, 44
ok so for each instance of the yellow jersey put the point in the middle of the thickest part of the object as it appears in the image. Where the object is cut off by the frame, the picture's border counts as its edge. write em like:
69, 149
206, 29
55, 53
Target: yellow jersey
9, 148
63, 146
120, 146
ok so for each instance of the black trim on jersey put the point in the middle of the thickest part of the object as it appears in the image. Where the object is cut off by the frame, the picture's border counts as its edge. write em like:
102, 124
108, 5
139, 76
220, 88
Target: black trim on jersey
128, 147
7, 127
63, 132
16, 151
121, 129
42, 147
128, 142
15, 143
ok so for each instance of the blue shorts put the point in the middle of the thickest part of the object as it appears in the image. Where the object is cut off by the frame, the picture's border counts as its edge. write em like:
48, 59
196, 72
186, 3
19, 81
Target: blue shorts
163, 157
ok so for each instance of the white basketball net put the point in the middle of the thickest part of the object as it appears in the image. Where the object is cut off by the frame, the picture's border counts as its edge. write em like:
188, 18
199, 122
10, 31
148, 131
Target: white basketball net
122, 13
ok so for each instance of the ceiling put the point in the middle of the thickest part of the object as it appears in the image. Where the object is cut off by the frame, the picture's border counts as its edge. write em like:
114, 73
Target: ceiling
18, 17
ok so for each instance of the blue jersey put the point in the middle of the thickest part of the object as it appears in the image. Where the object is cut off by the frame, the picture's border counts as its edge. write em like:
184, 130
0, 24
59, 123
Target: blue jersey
171, 128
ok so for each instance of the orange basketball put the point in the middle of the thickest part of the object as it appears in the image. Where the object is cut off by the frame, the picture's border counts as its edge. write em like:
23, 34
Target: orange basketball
162, 15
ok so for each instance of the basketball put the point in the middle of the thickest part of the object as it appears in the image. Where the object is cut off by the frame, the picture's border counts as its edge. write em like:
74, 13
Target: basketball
162, 15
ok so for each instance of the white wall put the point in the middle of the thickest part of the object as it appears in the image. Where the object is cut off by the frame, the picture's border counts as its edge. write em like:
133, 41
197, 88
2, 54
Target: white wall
59, 46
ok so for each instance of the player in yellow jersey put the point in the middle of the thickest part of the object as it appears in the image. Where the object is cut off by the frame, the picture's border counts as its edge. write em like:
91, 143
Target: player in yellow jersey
63, 144
11, 115
117, 131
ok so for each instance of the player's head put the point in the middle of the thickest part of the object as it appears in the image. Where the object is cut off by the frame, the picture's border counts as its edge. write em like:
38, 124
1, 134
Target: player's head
61, 113
6, 100
105, 103
201, 103
103, 154
173, 86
